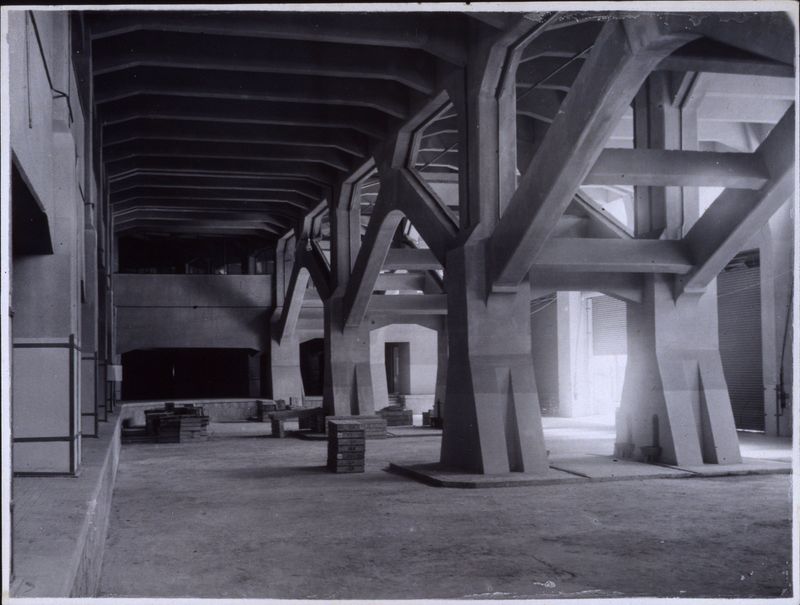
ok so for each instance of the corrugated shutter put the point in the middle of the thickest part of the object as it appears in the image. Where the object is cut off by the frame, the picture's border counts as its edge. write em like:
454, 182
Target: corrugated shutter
609, 321
739, 299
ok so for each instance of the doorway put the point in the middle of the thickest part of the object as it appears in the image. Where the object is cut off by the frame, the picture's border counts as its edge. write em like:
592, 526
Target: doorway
398, 360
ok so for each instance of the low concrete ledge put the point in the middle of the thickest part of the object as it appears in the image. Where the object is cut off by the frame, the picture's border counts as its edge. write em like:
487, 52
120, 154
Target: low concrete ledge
60, 523
584, 469
217, 410
436, 475
748, 466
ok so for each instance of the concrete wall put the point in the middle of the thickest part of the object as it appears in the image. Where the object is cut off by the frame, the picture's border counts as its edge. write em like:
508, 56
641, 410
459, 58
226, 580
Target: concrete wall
173, 311
420, 387
48, 148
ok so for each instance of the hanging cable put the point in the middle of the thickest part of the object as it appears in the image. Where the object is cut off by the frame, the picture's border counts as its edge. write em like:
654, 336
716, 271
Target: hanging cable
559, 69
57, 94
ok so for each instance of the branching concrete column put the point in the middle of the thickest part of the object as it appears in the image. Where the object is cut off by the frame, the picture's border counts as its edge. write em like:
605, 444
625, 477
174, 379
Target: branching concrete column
492, 419
348, 373
675, 406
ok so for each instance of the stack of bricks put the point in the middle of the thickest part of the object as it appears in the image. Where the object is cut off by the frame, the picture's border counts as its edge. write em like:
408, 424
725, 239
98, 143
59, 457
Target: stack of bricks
346, 445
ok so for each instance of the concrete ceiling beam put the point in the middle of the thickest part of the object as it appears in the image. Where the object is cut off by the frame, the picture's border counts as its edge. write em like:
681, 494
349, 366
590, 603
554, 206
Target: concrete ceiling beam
121, 216
408, 304
388, 97
278, 206
345, 140
211, 227
722, 65
218, 182
330, 158
609, 255
623, 56
238, 167
442, 39
764, 34
408, 67
366, 121
207, 192
624, 286
663, 168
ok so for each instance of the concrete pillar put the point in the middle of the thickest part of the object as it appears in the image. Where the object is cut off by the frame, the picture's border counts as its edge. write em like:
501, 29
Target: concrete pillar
675, 397
101, 386
380, 392
568, 308
441, 369
554, 343
89, 341
776, 244
284, 369
493, 423
348, 372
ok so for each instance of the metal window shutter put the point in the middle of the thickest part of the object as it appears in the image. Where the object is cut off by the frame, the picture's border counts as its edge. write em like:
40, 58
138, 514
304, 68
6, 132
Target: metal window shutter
739, 300
609, 326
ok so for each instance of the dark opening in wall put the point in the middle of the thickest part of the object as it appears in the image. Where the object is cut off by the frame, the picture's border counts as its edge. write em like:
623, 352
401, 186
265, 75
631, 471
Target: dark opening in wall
312, 366
30, 229
185, 373
397, 357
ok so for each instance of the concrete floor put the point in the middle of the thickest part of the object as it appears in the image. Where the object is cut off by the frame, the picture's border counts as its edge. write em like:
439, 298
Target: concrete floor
243, 515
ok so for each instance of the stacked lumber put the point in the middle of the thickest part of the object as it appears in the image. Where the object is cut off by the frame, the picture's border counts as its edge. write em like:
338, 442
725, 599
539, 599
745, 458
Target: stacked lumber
346, 446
